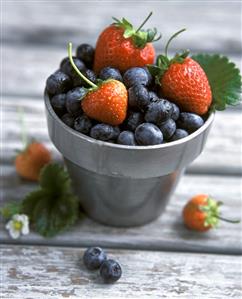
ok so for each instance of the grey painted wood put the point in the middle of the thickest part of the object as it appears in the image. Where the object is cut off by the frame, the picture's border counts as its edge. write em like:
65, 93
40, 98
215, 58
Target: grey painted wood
166, 233
222, 153
27, 75
212, 26
45, 272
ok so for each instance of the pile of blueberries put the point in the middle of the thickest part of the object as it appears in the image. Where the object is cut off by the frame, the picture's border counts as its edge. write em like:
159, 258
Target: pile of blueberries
150, 119
95, 258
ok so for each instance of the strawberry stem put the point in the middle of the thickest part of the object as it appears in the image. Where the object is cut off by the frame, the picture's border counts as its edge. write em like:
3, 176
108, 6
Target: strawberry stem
147, 18
227, 220
76, 69
171, 38
24, 136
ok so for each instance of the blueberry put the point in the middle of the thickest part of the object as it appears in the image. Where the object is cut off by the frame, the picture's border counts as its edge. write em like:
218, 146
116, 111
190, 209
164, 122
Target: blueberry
89, 74
189, 121
67, 68
139, 97
168, 128
116, 132
153, 96
63, 61
110, 73
85, 52
58, 83
103, 132
133, 120
148, 134
73, 100
176, 112
179, 134
158, 112
68, 119
126, 138
136, 75
94, 257
58, 103
110, 271
83, 124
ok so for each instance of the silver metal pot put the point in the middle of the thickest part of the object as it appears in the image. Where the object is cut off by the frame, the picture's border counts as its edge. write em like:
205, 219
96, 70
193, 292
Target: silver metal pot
123, 185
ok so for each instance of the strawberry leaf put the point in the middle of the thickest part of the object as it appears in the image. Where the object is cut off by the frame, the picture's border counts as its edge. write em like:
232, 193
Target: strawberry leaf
224, 78
53, 207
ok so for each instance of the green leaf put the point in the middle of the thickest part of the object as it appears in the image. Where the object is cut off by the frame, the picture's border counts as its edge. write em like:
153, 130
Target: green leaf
10, 209
52, 208
224, 78
162, 61
128, 33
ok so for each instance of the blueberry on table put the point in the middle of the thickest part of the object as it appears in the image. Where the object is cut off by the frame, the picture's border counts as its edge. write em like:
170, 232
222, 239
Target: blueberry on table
126, 138
168, 128
94, 257
189, 121
83, 124
73, 100
158, 112
85, 52
148, 134
68, 69
110, 271
136, 75
58, 103
176, 112
110, 73
133, 120
68, 119
138, 97
103, 132
89, 74
179, 134
58, 82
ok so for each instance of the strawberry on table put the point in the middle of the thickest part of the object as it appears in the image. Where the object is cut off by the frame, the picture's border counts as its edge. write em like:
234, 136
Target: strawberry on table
202, 213
121, 46
105, 102
31, 160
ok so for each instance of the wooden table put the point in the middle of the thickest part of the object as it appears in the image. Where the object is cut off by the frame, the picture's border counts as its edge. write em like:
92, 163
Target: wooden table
161, 259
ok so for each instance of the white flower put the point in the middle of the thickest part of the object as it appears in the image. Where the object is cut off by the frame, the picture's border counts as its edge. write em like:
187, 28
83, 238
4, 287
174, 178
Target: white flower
19, 224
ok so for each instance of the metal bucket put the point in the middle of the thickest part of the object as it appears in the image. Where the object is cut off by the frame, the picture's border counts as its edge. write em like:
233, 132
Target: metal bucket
123, 185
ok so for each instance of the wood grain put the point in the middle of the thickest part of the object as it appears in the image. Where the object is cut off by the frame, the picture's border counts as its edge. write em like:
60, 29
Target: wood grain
222, 154
212, 26
43, 272
166, 233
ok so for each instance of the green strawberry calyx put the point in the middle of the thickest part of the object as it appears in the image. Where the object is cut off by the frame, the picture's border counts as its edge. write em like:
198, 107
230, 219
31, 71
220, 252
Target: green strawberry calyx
212, 213
163, 62
139, 36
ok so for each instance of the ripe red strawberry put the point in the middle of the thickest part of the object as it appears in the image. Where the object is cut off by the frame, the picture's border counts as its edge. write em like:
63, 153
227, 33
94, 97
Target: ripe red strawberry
29, 163
106, 102
201, 213
187, 85
123, 47
183, 81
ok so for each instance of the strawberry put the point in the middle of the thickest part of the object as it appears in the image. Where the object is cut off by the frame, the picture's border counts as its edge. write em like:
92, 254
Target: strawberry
106, 102
121, 46
201, 213
29, 162
183, 81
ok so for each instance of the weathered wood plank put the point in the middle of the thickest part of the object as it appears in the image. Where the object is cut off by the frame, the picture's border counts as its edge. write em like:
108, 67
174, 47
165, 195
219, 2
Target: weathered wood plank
55, 23
28, 76
222, 153
166, 233
45, 272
